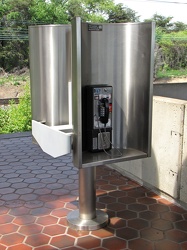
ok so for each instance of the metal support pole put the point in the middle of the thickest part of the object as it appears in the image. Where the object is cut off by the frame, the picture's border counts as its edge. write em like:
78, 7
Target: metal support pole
87, 217
87, 193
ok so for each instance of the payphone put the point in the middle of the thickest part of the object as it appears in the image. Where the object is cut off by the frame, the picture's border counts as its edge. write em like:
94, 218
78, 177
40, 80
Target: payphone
97, 117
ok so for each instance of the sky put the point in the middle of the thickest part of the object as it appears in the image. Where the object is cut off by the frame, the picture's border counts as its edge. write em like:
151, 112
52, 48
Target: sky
147, 8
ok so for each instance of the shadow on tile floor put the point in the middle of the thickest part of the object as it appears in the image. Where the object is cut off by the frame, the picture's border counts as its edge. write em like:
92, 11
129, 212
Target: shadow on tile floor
37, 192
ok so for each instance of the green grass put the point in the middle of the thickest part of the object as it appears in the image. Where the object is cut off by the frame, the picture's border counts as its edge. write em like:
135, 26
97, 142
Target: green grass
17, 117
172, 73
13, 79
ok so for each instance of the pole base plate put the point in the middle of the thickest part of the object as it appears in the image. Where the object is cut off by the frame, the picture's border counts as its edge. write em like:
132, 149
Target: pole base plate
76, 223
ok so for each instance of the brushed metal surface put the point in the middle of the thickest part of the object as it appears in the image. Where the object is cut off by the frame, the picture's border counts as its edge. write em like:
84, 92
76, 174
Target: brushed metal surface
76, 92
87, 193
75, 222
50, 70
114, 155
121, 55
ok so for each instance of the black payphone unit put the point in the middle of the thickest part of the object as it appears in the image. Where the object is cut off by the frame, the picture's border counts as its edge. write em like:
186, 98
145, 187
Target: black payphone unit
97, 117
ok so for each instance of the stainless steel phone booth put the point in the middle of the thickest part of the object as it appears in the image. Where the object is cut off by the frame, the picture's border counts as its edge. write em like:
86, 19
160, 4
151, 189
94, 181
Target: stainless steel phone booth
91, 87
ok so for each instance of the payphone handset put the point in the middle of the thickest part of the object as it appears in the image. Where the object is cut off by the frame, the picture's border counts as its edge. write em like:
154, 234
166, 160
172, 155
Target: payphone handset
103, 113
98, 117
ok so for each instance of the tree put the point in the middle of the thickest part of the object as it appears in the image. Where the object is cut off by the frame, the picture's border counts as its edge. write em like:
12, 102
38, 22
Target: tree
161, 21
14, 35
17, 15
89, 10
48, 12
166, 25
121, 14
178, 26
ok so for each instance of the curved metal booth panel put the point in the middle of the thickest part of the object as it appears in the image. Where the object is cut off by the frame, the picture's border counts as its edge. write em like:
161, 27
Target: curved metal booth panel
121, 56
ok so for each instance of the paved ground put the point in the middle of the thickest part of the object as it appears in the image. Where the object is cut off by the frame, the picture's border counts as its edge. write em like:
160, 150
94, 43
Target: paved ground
37, 192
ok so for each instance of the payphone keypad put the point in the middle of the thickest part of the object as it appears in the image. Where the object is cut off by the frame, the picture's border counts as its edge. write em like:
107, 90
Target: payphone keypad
98, 117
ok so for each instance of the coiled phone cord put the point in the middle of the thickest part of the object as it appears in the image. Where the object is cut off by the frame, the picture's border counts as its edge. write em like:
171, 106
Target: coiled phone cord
120, 153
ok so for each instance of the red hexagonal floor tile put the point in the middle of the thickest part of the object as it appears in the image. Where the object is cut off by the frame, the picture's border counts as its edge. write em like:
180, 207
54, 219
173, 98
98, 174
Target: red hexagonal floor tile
135, 193
118, 181
176, 235
88, 242
109, 177
139, 218
159, 208
152, 234
37, 240
114, 243
127, 200
8, 228
20, 211
47, 220
126, 214
77, 233
25, 219
62, 241
111, 213
12, 239
3, 210
171, 216
30, 229
166, 244
46, 247
103, 233
137, 207
135, 184
53, 230
116, 222
63, 222
182, 225
126, 187
149, 215
40, 211
100, 192
116, 206
72, 205
6, 219
138, 223
100, 205
161, 224
20, 247
107, 199
141, 244
184, 245
177, 209
127, 233
117, 194
3, 247
101, 182
74, 248
54, 204
61, 212
108, 187
147, 200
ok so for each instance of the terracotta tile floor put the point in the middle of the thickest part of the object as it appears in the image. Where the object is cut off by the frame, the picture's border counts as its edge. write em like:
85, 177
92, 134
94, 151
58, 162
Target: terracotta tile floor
37, 192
